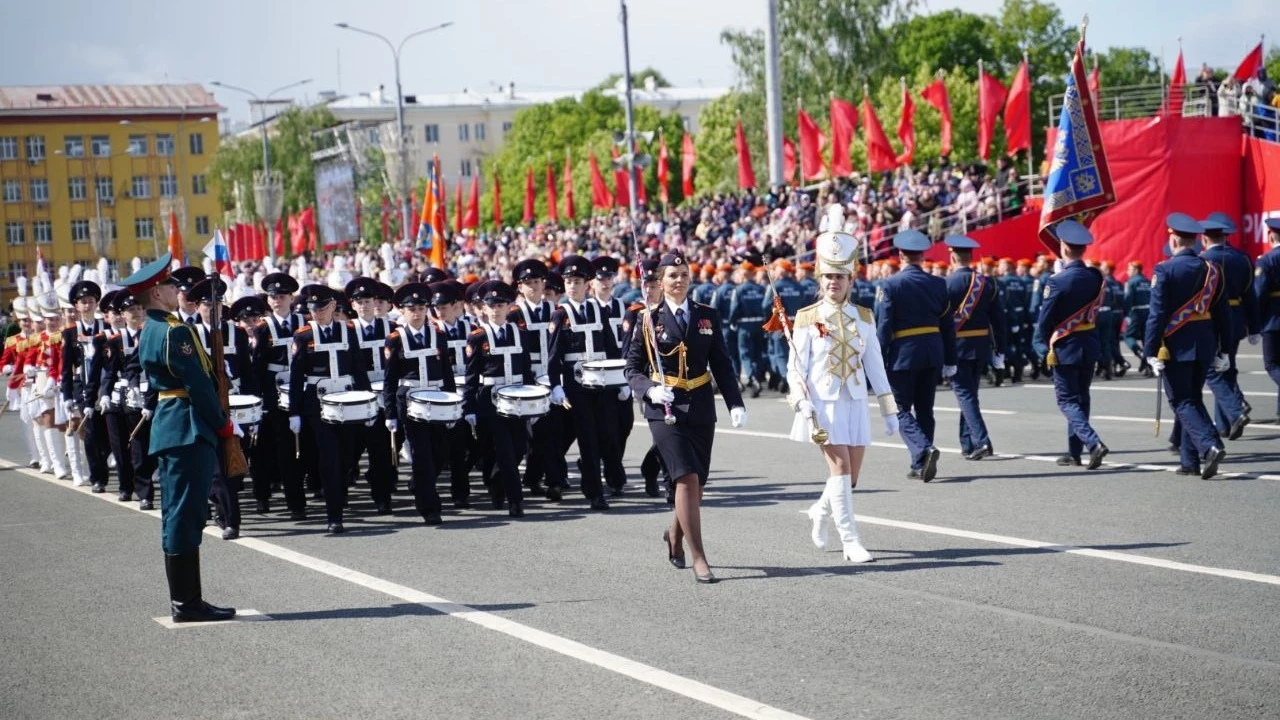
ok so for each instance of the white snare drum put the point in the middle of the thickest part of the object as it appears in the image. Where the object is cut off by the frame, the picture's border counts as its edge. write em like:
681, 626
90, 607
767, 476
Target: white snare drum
544, 381
376, 387
350, 407
460, 381
434, 406
522, 400
601, 374
282, 392
245, 409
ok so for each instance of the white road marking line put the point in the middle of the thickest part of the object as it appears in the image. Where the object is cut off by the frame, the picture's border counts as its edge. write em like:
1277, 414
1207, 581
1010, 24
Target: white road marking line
1148, 390
1248, 355
242, 616
692, 689
985, 411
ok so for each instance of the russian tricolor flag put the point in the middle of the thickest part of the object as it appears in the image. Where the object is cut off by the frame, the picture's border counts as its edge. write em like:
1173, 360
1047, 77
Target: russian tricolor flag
217, 251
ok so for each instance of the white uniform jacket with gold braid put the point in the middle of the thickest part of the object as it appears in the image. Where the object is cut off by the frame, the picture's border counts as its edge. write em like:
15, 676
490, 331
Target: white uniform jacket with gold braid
835, 348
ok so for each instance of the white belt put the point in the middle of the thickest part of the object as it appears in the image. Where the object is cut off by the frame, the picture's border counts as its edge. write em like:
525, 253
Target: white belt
376, 375
499, 381
420, 385
276, 367
326, 385
584, 356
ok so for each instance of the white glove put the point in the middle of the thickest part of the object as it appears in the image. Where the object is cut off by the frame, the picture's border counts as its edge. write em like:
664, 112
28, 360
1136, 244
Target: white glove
738, 416
1157, 365
1254, 338
557, 395
948, 371
104, 403
226, 365
624, 393
660, 395
146, 414
237, 430
370, 422
392, 425
295, 424
471, 420
890, 425
88, 413
1221, 363
997, 361
6, 370
805, 409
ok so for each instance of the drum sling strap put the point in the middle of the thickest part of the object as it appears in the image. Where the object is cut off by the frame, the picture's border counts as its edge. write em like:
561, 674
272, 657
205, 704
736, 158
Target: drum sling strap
421, 354
539, 356
505, 352
333, 383
588, 329
374, 346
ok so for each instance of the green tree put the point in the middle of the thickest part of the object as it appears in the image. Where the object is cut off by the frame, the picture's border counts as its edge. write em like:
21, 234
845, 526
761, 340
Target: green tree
1272, 62
637, 79
1127, 66
947, 39
291, 143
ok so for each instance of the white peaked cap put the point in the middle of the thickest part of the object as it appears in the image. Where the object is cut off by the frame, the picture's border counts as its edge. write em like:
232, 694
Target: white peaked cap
837, 252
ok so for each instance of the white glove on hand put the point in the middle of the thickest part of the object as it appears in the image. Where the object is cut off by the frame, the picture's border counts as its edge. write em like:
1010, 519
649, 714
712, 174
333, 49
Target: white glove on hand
104, 403
890, 425
295, 424
948, 371
237, 430
1157, 365
226, 365
997, 361
392, 425
1221, 363
660, 395
805, 409
738, 416
557, 395
624, 393
371, 422
146, 414
6, 370
471, 420
88, 413
1254, 339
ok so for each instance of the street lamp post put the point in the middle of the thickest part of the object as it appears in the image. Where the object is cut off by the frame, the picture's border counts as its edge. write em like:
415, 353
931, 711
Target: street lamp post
268, 193
402, 182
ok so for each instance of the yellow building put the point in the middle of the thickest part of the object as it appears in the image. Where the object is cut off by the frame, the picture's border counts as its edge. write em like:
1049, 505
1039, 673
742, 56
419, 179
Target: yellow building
89, 171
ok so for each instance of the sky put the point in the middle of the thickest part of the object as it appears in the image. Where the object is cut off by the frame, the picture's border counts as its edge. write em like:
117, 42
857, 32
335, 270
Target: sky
537, 44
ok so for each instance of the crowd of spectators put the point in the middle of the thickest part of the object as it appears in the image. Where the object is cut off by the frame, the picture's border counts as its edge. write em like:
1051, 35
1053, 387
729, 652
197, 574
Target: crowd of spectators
1256, 101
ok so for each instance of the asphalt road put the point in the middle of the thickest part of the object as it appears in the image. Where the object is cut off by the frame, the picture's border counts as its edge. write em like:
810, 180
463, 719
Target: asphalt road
1008, 588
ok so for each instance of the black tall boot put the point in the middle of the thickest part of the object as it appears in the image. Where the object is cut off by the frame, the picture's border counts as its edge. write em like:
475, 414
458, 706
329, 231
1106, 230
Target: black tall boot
183, 573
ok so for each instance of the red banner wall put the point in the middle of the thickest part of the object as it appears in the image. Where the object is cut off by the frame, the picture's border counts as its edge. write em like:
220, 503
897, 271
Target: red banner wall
1261, 198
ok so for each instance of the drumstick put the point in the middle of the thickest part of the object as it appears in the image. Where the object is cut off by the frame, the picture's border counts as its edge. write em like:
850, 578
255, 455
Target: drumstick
136, 428
395, 454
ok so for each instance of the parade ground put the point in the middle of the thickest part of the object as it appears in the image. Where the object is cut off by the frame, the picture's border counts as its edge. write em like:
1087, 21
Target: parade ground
1007, 588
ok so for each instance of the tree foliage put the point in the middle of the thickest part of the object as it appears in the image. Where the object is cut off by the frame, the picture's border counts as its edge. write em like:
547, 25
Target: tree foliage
637, 79
1126, 66
291, 143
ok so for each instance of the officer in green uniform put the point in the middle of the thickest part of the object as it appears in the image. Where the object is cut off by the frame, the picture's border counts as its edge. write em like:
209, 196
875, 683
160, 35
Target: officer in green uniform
184, 434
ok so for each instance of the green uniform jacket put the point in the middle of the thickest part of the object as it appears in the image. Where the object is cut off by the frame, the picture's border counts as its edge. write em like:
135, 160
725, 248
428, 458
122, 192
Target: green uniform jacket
174, 359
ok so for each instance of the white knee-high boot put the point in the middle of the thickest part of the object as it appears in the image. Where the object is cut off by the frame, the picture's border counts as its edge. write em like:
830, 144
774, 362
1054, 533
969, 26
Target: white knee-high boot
55, 444
75, 459
819, 513
29, 436
42, 447
842, 509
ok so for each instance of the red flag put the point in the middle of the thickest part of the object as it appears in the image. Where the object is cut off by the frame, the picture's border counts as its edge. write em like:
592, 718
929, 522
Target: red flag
278, 240
687, 157
621, 183
664, 171
844, 121
553, 212
991, 96
1177, 85
811, 142
259, 242
1249, 67
307, 219
1095, 83
640, 192
936, 95
1017, 113
788, 161
471, 220
746, 175
600, 198
297, 236
413, 213
568, 188
528, 196
176, 247
497, 202
880, 155
907, 128
457, 206
233, 247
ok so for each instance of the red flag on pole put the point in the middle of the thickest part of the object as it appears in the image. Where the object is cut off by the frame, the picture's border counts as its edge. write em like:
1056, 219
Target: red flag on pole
457, 206
528, 196
600, 198
687, 157
386, 222
621, 183
176, 247
907, 127
497, 202
746, 174
569, 210
471, 220
811, 142
788, 161
844, 121
991, 97
1177, 84
1248, 68
259, 242
553, 212
880, 155
278, 240
307, 219
640, 191
1017, 112
936, 95
1095, 83
664, 171
413, 212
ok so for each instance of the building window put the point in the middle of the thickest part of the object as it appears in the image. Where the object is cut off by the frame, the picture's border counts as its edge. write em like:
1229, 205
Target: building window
464, 132
100, 146
197, 185
76, 189
144, 228
17, 270
104, 187
686, 122
197, 143
137, 144
479, 131
506, 128
432, 133
35, 147
43, 231
111, 227
202, 224
73, 146
168, 185
40, 190
140, 188
466, 168
12, 191
15, 233
164, 145
79, 231
113, 268
8, 148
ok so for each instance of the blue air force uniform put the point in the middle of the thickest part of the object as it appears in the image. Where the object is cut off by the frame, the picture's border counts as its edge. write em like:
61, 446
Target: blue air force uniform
1230, 415
1266, 288
793, 298
916, 328
747, 312
979, 322
1137, 304
721, 301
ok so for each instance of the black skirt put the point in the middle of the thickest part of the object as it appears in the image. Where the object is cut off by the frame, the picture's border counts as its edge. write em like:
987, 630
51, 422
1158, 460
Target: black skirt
684, 448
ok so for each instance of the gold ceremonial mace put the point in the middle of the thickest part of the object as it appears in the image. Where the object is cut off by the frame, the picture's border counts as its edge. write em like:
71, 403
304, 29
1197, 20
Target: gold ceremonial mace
817, 433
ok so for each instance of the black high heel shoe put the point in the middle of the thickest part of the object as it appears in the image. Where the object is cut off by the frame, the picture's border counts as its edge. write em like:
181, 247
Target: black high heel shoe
676, 561
705, 579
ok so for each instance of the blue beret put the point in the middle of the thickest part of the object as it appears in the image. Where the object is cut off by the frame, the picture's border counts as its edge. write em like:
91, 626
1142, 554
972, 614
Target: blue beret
960, 242
912, 241
1219, 222
1183, 224
1072, 232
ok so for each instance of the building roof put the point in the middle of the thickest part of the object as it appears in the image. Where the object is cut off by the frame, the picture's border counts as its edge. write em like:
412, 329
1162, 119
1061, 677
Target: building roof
105, 99
518, 98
